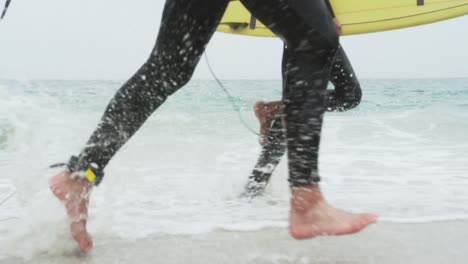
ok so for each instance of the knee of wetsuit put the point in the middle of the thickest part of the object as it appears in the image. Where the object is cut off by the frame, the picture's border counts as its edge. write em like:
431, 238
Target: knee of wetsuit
355, 99
351, 99
358, 95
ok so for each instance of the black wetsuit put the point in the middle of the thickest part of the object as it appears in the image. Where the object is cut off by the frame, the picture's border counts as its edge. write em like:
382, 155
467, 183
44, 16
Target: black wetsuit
186, 28
346, 95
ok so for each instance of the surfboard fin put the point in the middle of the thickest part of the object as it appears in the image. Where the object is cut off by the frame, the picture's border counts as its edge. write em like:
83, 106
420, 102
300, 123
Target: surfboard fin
235, 25
7, 3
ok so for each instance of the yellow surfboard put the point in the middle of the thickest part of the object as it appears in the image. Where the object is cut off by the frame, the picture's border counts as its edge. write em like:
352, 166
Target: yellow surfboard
357, 16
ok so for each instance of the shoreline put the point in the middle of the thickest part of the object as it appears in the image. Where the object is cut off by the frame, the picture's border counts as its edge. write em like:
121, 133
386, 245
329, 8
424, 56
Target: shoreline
429, 243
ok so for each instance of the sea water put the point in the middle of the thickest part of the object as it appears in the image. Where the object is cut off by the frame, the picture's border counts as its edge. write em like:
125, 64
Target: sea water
402, 153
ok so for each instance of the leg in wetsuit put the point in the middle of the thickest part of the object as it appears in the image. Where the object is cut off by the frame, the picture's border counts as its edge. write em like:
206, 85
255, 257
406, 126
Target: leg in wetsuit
346, 95
186, 28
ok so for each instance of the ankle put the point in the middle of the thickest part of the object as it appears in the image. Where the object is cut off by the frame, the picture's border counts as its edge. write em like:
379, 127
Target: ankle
305, 197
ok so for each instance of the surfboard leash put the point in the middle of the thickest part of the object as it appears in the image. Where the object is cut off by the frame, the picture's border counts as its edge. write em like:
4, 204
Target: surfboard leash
4, 201
229, 96
7, 198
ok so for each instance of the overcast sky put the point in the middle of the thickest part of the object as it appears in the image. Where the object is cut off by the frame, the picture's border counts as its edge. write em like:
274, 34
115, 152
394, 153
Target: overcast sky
110, 39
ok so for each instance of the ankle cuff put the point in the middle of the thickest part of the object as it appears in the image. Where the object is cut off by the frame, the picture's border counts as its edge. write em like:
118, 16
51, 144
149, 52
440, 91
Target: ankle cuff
86, 170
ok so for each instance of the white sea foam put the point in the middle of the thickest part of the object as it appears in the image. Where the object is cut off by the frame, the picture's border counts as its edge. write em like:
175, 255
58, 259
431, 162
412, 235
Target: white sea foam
401, 154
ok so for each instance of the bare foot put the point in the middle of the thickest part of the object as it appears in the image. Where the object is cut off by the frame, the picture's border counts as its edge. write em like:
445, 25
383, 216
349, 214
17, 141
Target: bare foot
74, 193
312, 216
266, 113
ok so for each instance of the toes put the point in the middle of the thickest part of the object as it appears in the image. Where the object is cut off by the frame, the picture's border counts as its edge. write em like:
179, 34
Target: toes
80, 235
363, 221
373, 217
86, 245
369, 218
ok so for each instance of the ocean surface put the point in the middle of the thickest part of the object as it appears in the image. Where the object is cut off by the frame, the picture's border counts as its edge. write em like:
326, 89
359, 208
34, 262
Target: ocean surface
171, 195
